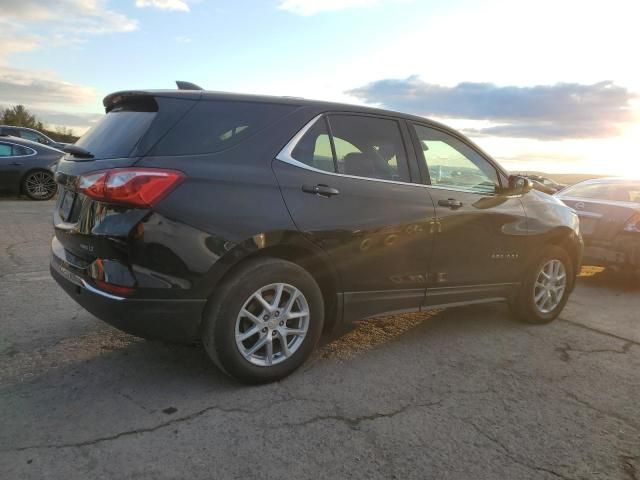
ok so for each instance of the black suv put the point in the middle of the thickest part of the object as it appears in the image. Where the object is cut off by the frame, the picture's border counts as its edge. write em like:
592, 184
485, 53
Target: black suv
255, 223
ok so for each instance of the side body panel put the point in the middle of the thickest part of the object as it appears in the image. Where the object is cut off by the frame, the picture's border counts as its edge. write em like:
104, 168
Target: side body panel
377, 234
478, 248
549, 221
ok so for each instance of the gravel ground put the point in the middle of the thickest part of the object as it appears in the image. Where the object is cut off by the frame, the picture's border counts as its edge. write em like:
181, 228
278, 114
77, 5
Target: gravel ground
464, 393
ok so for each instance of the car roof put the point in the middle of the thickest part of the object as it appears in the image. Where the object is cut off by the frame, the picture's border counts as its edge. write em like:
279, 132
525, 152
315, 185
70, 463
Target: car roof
112, 98
26, 143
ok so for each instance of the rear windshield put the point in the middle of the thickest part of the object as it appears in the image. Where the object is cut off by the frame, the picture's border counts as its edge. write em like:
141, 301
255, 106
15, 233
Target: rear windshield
117, 133
212, 126
619, 192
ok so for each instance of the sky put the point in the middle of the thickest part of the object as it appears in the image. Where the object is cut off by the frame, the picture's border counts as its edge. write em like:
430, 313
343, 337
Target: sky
545, 85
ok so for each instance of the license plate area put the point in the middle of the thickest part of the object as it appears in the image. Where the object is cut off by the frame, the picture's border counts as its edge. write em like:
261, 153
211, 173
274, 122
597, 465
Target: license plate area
65, 205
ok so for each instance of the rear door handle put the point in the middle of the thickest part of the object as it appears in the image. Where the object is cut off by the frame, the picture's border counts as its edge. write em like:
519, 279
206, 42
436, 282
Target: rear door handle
450, 202
321, 190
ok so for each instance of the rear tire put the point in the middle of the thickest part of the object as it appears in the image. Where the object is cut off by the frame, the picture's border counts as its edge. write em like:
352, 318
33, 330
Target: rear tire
39, 185
256, 344
545, 288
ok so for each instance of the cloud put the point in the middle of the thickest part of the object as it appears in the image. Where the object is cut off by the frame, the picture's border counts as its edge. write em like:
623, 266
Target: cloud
56, 117
179, 5
41, 89
311, 7
562, 110
56, 20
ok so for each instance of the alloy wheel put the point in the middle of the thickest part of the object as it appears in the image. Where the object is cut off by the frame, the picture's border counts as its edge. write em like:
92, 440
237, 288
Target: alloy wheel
272, 324
40, 185
550, 286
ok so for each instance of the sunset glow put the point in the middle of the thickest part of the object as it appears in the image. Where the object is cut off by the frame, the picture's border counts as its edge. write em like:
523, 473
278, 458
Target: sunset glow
545, 85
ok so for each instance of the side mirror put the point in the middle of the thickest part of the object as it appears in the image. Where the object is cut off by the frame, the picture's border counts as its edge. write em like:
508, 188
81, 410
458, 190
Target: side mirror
519, 185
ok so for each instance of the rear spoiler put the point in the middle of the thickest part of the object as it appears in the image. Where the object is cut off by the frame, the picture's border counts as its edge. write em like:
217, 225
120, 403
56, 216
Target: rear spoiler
185, 90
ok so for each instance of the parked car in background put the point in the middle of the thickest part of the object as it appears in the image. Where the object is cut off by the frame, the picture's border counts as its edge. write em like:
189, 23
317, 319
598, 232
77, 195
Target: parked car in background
30, 134
255, 223
545, 184
27, 167
609, 210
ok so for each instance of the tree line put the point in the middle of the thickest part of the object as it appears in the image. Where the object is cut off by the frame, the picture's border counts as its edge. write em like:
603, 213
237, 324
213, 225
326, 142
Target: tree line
19, 116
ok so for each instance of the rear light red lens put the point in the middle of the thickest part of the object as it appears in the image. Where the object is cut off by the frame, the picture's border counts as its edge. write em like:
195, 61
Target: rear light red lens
137, 187
633, 224
113, 288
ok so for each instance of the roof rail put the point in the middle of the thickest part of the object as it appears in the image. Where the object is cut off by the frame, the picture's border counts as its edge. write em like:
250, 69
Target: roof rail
187, 85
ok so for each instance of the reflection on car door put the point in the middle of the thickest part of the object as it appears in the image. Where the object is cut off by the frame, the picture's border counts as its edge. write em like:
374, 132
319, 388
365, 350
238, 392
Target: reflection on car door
374, 224
481, 233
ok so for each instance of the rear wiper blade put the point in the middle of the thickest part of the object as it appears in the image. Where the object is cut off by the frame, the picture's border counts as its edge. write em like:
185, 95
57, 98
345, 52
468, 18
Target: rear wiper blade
77, 151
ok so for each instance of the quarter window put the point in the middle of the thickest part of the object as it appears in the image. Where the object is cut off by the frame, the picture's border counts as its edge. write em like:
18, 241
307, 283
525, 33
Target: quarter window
212, 126
452, 163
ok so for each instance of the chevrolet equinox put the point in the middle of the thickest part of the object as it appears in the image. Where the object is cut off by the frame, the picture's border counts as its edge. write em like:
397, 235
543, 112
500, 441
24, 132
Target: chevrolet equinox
254, 224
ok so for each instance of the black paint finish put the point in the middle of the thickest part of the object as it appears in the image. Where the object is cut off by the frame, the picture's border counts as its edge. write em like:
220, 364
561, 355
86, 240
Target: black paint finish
374, 247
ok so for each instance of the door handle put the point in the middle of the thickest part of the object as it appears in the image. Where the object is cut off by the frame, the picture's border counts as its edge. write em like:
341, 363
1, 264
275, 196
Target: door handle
321, 190
451, 203
15, 164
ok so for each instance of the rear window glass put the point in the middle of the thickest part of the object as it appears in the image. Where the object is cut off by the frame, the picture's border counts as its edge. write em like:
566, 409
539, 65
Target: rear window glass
618, 192
116, 134
212, 126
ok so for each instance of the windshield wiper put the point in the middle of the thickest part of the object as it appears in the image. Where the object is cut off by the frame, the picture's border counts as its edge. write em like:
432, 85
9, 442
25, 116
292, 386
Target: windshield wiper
77, 151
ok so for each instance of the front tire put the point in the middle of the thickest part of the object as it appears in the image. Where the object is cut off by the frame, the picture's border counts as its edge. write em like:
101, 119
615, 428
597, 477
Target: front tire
546, 287
264, 320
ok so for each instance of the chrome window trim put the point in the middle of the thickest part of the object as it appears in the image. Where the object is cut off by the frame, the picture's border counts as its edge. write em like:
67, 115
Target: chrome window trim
285, 156
35, 152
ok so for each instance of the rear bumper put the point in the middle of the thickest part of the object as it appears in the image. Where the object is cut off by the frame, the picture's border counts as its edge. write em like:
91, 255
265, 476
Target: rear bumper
175, 320
623, 252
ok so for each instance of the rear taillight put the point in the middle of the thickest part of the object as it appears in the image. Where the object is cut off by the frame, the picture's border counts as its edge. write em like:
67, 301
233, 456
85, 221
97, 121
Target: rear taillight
136, 187
633, 225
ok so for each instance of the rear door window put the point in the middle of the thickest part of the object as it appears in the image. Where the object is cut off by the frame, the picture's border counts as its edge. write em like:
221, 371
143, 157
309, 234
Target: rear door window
212, 126
369, 147
364, 146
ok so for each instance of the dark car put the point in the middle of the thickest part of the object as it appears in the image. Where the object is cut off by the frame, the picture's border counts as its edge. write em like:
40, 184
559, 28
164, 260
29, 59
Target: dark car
30, 134
609, 210
545, 184
27, 167
256, 223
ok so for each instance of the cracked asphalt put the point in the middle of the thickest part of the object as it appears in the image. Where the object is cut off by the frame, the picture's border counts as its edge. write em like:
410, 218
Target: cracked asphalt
464, 393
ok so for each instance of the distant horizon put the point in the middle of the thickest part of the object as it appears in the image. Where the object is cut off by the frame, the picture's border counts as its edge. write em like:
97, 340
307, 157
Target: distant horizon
552, 98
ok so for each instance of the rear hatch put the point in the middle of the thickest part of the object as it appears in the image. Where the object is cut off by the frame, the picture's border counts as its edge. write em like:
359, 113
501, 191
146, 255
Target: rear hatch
86, 229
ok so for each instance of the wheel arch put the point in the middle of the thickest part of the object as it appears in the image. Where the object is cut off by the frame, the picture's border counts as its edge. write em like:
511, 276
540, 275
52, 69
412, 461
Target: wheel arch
293, 248
569, 241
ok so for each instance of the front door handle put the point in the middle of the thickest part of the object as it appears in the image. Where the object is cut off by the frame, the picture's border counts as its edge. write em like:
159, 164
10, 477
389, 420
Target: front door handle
450, 202
15, 164
321, 190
